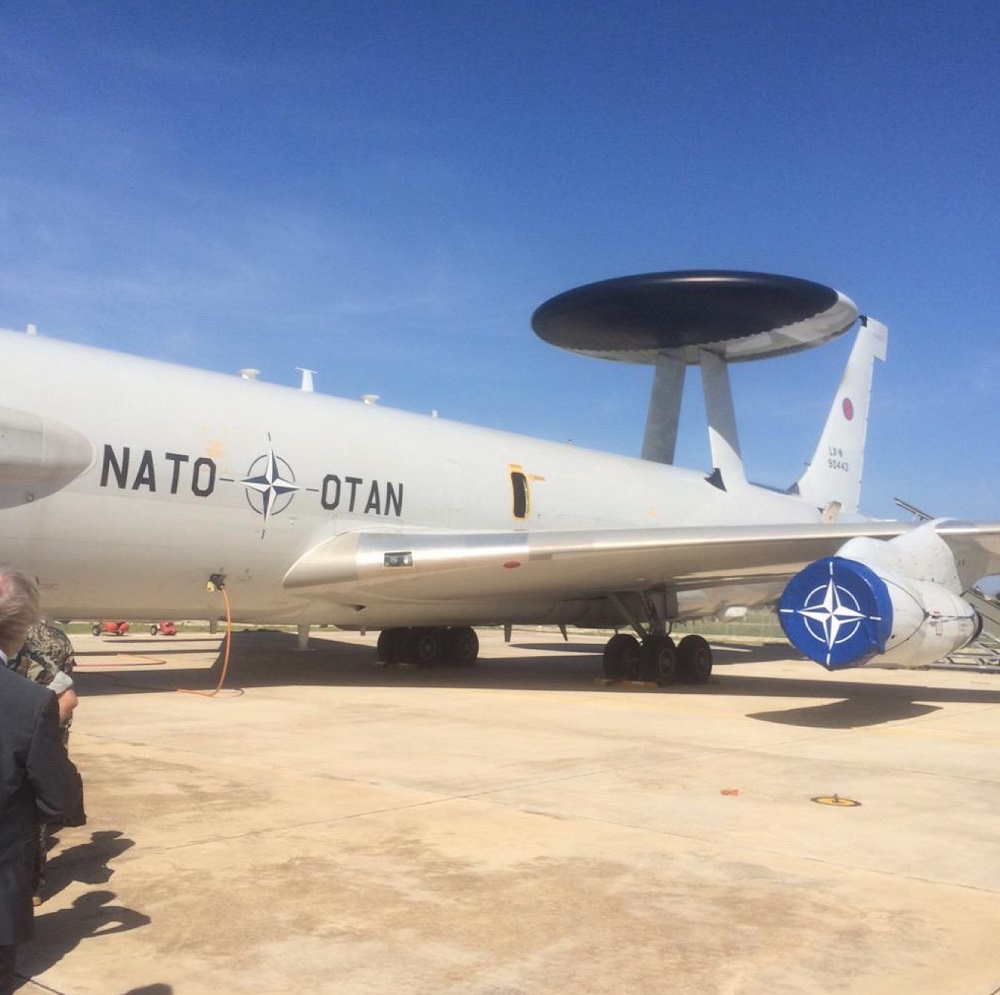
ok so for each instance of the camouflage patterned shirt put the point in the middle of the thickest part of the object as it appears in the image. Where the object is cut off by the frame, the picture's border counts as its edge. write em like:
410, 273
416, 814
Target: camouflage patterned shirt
46, 657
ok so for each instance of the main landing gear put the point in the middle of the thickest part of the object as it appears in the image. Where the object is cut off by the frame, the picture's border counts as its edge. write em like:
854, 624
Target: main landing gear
427, 645
658, 658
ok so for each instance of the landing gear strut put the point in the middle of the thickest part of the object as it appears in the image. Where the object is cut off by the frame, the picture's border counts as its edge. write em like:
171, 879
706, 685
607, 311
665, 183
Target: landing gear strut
428, 645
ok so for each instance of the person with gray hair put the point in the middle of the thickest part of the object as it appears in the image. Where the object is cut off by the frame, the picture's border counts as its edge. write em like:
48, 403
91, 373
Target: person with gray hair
18, 609
38, 781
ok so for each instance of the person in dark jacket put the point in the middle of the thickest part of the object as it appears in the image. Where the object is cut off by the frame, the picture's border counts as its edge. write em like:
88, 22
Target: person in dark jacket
47, 658
38, 781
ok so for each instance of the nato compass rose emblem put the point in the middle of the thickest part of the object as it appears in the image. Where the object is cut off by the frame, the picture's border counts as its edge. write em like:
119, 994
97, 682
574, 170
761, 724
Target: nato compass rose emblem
270, 485
838, 612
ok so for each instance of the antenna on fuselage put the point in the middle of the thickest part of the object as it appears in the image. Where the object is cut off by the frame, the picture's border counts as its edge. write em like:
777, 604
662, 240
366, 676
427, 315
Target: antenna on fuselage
307, 379
705, 318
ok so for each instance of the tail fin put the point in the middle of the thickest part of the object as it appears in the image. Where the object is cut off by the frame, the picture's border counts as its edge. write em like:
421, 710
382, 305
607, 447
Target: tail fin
832, 480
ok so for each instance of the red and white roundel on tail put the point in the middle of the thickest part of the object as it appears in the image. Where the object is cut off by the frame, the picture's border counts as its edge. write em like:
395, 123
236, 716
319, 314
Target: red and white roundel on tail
833, 477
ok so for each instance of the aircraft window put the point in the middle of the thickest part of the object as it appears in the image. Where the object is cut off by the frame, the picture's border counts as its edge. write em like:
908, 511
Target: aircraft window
519, 487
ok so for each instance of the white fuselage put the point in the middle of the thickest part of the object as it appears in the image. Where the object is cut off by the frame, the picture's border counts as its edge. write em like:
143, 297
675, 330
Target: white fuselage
126, 483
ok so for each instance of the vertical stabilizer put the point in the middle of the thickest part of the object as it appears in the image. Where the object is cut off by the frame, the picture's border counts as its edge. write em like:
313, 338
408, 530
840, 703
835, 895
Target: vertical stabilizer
833, 478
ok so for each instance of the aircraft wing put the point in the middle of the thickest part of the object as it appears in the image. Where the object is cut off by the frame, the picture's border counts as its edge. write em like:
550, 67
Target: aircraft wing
573, 564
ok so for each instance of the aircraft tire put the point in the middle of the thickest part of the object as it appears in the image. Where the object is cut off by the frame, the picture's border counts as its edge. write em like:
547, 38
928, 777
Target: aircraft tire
95, 630
659, 660
389, 648
694, 660
462, 645
153, 630
424, 646
621, 657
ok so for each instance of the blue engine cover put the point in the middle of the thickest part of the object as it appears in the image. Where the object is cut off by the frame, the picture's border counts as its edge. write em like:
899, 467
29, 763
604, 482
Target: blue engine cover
838, 612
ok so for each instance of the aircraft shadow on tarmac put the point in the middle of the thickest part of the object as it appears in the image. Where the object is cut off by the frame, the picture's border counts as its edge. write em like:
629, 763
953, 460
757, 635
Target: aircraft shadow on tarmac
270, 658
848, 713
139, 647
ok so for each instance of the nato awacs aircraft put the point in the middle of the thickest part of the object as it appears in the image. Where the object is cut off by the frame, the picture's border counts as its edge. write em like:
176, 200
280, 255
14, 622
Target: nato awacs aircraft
136, 488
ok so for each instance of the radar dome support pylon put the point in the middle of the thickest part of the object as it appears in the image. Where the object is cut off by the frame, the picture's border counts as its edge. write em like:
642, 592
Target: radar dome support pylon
706, 318
659, 442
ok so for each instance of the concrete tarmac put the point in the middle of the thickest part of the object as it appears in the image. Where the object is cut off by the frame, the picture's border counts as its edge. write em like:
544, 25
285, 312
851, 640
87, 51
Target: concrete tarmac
327, 825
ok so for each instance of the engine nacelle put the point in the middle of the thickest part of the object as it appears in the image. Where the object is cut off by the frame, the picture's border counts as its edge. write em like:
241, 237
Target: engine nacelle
842, 613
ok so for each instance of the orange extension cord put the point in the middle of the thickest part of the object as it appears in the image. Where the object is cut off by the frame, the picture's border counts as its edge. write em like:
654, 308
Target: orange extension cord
222, 676
225, 656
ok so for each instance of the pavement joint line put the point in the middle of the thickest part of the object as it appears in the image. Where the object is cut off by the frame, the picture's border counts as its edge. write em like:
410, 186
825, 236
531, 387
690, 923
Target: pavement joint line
712, 753
750, 848
686, 758
914, 733
479, 794
771, 749
39, 984
699, 840
440, 800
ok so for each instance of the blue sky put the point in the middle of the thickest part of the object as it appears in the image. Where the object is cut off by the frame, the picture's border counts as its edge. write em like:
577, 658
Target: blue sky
385, 191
